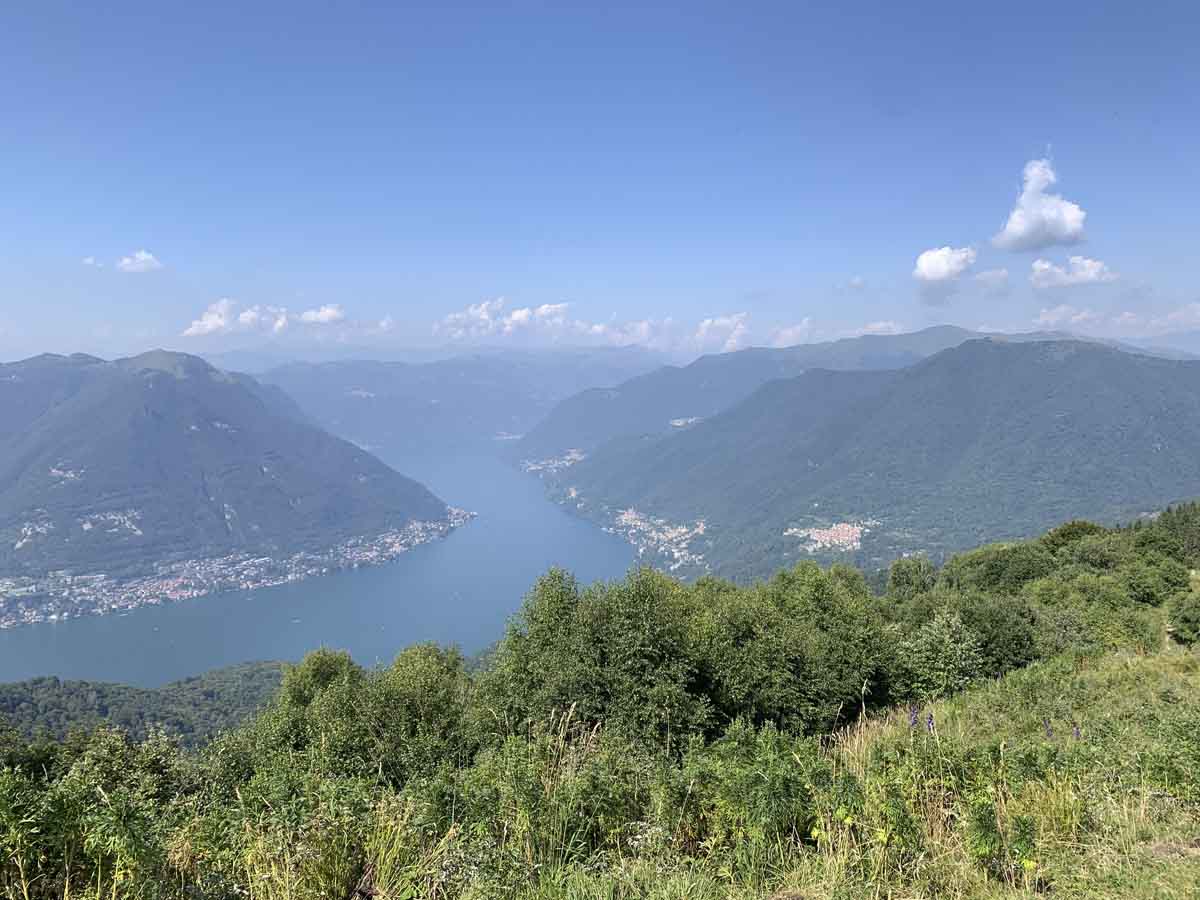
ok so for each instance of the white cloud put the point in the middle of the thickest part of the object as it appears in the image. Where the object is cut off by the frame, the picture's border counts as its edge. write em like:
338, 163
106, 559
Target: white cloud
1080, 270
727, 332
1040, 219
225, 318
886, 326
92, 261
551, 321
476, 321
214, 320
857, 283
661, 334
1064, 314
937, 271
324, 315
139, 261
790, 335
994, 282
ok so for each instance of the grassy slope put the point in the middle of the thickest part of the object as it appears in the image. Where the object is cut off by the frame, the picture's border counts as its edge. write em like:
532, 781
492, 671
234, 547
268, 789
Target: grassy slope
1108, 820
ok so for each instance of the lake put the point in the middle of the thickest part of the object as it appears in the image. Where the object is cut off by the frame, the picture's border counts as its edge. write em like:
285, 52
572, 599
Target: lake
460, 590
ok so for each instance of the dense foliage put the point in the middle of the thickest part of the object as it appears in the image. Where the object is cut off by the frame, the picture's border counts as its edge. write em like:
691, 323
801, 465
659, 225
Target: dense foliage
194, 710
650, 738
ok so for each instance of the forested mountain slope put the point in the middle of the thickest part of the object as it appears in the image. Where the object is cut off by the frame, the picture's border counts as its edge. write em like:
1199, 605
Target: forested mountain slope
116, 466
989, 440
675, 397
194, 709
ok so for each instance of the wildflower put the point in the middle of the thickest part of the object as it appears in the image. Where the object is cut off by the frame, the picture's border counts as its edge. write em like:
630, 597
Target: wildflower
1049, 730
914, 715
1075, 731
929, 723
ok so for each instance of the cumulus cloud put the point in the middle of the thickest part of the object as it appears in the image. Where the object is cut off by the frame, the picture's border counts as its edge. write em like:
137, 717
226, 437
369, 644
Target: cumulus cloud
489, 319
1079, 271
857, 283
553, 322
724, 332
790, 335
266, 318
1040, 219
214, 320
225, 317
324, 315
93, 262
139, 261
886, 326
1064, 314
938, 271
994, 282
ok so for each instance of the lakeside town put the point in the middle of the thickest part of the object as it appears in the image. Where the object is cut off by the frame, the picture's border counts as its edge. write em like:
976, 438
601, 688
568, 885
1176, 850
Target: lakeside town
839, 536
65, 595
658, 539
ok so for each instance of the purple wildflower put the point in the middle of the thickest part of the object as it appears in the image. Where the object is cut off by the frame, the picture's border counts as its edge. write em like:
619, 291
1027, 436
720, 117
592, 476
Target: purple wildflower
929, 723
1049, 730
1075, 731
914, 715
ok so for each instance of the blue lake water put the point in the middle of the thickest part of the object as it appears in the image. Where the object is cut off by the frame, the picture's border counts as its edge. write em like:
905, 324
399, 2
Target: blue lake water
460, 590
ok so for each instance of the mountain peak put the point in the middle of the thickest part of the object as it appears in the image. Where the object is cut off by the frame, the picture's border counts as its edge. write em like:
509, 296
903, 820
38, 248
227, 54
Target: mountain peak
180, 365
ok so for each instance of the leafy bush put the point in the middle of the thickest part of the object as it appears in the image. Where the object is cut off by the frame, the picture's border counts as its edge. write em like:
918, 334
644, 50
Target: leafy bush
1184, 618
943, 657
910, 576
998, 568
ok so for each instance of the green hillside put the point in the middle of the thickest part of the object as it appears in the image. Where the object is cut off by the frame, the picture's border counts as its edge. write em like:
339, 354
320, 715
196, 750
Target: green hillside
1022, 722
989, 440
115, 467
194, 710
672, 397
649, 403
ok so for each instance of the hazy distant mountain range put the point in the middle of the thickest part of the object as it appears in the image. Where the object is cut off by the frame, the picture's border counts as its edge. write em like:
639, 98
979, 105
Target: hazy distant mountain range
987, 440
117, 466
466, 401
674, 396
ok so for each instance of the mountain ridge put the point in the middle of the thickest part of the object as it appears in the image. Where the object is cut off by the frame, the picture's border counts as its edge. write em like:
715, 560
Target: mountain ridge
985, 441
677, 396
120, 468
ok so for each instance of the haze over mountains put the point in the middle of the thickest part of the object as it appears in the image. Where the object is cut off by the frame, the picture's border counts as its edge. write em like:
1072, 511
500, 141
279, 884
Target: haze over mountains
117, 466
988, 440
467, 400
860, 449
676, 396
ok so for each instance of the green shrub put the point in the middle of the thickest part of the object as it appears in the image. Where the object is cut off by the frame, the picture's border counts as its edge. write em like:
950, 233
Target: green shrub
944, 656
747, 796
910, 576
1070, 532
999, 568
1183, 616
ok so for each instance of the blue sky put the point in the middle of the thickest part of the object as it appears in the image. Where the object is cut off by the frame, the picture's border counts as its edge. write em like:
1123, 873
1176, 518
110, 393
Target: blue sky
697, 176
